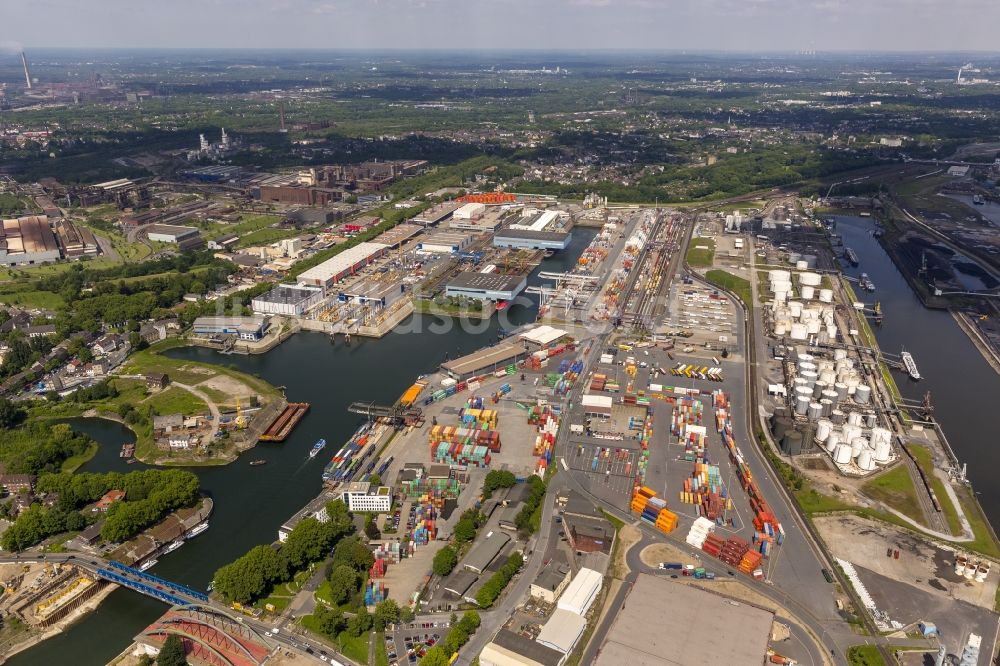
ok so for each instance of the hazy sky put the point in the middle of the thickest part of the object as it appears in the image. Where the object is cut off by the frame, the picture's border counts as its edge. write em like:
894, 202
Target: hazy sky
867, 25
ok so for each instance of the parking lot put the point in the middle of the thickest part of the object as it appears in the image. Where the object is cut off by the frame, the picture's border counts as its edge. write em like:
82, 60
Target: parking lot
407, 644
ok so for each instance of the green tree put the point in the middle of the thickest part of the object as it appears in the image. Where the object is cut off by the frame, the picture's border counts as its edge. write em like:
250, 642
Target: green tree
444, 561
343, 583
498, 478
386, 612
406, 614
339, 518
309, 542
252, 575
465, 530
172, 653
10, 414
354, 553
360, 622
329, 621
436, 656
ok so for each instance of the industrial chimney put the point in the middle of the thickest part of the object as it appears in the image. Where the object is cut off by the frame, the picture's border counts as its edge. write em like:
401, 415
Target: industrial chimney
27, 75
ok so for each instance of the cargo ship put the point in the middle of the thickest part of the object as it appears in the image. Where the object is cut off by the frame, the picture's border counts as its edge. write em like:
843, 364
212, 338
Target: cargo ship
910, 365
282, 426
196, 530
259, 461
851, 255
317, 447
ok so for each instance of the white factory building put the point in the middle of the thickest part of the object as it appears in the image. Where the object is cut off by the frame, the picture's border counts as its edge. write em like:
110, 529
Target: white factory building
361, 497
288, 300
345, 264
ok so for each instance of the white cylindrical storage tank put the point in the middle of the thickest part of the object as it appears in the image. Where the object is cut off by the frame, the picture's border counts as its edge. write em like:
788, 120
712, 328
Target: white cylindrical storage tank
815, 411
839, 354
826, 295
778, 275
858, 444
796, 309
852, 382
802, 405
803, 391
800, 381
801, 265
808, 293
806, 365
841, 389
832, 441
882, 452
798, 331
854, 418
881, 435
842, 454
865, 461
780, 296
780, 327
862, 394
810, 376
870, 420
851, 432
823, 430
810, 279
827, 405
838, 417
818, 389
809, 358
828, 376
831, 332
813, 326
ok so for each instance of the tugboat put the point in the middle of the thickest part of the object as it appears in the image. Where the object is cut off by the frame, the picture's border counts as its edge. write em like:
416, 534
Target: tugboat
259, 461
317, 447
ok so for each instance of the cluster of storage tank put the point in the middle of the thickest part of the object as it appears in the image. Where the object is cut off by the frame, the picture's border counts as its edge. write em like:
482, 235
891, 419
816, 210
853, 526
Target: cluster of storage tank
822, 387
867, 448
971, 569
811, 315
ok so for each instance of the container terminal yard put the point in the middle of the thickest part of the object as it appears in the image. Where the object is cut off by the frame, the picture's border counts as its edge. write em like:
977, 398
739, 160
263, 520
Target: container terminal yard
629, 396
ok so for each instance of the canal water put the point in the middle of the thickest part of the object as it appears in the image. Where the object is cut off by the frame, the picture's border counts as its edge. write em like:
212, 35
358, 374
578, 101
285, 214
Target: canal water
252, 502
963, 386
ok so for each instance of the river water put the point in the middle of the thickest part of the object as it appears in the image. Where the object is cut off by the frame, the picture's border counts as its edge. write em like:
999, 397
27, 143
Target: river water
252, 502
963, 386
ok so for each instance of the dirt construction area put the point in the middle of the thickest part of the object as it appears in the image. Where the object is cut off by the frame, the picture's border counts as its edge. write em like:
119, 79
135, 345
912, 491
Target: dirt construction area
922, 564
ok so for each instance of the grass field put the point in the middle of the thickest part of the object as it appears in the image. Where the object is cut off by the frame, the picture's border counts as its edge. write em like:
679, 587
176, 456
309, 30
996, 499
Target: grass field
45, 300
265, 236
176, 400
923, 457
864, 655
381, 656
70, 465
701, 252
354, 648
895, 488
249, 223
733, 283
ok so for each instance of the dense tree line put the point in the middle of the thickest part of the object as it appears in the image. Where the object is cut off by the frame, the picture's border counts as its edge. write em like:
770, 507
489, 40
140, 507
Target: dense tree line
37, 447
528, 517
252, 576
497, 478
489, 592
149, 495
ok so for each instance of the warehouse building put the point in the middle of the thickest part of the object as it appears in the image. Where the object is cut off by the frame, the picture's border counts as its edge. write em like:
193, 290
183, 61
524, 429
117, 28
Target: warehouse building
27, 240
436, 214
469, 211
484, 360
459, 584
76, 241
445, 242
184, 237
563, 630
345, 264
581, 592
552, 579
486, 286
288, 300
484, 552
245, 328
529, 239
512, 649
695, 641
597, 405
542, 337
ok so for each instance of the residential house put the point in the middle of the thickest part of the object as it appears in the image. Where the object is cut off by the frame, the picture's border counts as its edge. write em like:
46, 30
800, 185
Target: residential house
156, 381
110, 498
17, 483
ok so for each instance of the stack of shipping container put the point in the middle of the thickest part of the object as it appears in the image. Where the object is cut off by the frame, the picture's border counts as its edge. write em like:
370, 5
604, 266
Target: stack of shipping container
653, 510
424, 530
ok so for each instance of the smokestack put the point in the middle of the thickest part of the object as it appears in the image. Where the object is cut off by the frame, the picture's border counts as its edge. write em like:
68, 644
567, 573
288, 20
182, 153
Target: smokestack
27, 76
